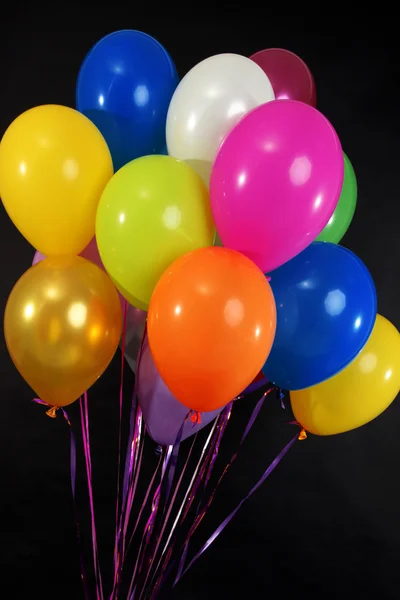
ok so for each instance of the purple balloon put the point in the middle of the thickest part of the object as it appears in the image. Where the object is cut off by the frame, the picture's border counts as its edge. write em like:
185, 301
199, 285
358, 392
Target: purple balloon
162, 412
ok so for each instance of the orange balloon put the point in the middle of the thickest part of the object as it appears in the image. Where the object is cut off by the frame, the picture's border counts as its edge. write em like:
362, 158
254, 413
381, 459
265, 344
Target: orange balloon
211, 324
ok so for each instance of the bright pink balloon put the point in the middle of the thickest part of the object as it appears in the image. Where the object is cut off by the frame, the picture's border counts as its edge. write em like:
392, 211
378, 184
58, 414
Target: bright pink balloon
276, 182
289, 75
90, 253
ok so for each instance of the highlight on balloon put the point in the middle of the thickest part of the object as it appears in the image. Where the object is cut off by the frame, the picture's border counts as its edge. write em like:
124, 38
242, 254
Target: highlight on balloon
194, 224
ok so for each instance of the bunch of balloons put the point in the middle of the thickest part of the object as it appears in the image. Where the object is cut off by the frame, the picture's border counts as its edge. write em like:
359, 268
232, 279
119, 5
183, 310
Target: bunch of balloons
213, 206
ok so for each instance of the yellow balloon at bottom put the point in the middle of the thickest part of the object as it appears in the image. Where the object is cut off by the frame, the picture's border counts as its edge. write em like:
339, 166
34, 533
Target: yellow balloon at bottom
62, 325
359, 393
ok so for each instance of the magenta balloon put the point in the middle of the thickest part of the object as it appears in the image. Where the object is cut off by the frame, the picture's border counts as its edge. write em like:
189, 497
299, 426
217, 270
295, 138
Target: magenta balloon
276, 182
162, 412
289, 75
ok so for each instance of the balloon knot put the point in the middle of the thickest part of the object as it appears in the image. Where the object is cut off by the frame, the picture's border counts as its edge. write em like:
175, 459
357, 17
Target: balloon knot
158, 450
302, 435
268, 278
52, 412
196, 417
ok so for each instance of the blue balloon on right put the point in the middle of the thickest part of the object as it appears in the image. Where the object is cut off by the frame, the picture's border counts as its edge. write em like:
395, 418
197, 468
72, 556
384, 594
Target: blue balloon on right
326, 308
124, 87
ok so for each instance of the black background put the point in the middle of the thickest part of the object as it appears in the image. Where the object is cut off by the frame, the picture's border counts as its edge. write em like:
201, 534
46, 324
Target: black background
326, 524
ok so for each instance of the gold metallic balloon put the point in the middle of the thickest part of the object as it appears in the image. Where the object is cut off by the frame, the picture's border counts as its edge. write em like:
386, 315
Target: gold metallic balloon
62, 325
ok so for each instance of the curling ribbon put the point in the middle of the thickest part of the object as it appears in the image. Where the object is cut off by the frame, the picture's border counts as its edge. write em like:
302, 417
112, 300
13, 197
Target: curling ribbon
222, 526
52, 412
303, 434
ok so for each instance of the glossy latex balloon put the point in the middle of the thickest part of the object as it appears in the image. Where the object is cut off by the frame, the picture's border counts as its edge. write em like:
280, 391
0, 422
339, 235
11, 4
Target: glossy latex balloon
340, 221
276, 182
211, 324
135, 318
326, 309
289, 75
359, 393
208, 101
153, 210
62, 326
91, 252
54, 165
124, 86
162, 412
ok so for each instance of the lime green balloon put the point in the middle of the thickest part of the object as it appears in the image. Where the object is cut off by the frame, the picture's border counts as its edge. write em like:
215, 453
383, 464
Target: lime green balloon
340, 221
153, 210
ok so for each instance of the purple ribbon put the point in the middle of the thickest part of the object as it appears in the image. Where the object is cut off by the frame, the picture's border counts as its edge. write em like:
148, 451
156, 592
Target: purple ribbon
84, 412
168, 513
188, 498
165, 492
73, 489
131, 474
224, 523
148, 527
200, 514
121, 387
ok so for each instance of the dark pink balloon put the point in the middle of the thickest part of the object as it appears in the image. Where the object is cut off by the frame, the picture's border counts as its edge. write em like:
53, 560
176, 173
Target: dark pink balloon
289, 75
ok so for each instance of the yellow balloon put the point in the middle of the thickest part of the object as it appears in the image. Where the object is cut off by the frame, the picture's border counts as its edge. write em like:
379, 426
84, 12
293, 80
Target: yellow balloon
153, 210
54, 165
359, 393
62, 325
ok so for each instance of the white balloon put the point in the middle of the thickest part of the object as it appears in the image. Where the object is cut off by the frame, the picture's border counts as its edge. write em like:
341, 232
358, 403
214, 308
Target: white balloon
208, 102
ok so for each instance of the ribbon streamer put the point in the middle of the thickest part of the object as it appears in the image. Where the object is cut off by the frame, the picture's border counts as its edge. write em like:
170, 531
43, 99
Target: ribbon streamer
199, 515
198, 476
131, 473
121, 387
166, 453
84, 412
165, 492
206, 468
168, 513
188, 498
222, 526
73, 488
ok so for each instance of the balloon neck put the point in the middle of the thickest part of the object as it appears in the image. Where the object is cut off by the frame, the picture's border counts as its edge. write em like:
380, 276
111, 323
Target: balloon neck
196, 417
52, 412
303, 433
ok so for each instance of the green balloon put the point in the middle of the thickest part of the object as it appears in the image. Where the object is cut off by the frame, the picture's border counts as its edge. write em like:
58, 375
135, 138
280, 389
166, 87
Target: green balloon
340, 221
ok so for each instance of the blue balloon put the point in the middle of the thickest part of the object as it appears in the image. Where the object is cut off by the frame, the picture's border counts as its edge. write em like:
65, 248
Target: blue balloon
124, 87
326, 308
